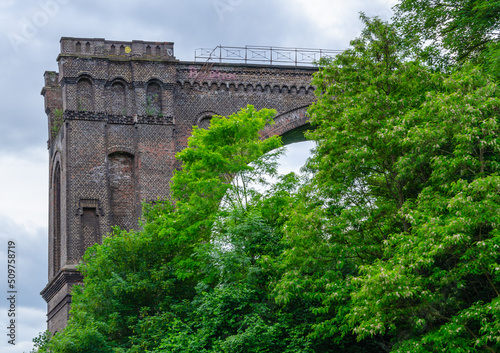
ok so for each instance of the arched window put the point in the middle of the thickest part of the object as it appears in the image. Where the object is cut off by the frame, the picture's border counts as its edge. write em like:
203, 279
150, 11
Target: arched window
205, 122
122, 50
158, 50
148, 50
87, 47
78, 47
122, 190
85, 95
117, 98
112, 51
153, 99
56, 220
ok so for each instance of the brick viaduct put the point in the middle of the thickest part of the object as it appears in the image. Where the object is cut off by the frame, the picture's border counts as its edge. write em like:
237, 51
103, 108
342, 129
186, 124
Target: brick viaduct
117, 114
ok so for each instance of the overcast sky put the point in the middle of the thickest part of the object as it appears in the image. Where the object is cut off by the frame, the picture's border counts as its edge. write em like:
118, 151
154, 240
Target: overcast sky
29, 43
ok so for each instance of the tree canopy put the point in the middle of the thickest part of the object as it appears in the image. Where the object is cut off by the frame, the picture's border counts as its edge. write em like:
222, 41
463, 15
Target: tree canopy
458, 30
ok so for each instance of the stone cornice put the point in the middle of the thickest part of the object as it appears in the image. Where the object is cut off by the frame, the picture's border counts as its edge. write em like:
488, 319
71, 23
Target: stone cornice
65, 276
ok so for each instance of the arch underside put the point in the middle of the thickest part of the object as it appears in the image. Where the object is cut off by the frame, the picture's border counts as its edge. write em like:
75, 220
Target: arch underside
296, 135
290, 126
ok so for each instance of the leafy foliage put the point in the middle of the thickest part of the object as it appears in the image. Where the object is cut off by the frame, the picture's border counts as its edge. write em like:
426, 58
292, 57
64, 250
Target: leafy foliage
459, 30
195, 278
57, 121
396, 235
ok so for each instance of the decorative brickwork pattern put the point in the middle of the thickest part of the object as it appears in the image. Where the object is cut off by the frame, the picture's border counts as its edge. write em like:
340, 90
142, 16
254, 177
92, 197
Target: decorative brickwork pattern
117, 100
129, 107
122, 190
156, 149
90, 229
121, 137
85, 95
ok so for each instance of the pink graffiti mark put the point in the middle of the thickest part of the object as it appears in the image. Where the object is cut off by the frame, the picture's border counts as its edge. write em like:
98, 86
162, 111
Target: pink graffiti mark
200, 75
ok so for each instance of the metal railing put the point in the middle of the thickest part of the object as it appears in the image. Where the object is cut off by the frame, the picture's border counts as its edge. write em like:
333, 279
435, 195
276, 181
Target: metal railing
264, 55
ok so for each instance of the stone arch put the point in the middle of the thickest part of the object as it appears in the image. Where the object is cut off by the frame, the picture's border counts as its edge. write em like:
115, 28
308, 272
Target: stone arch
56, 246
85, 94
205, 122
120, 149
286, 122
153, 104
121, 174
203, 119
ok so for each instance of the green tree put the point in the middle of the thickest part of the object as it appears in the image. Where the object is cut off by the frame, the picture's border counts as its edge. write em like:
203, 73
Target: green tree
437, 285
233, 311
137, 283
460, 30
397, 232
354, 201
